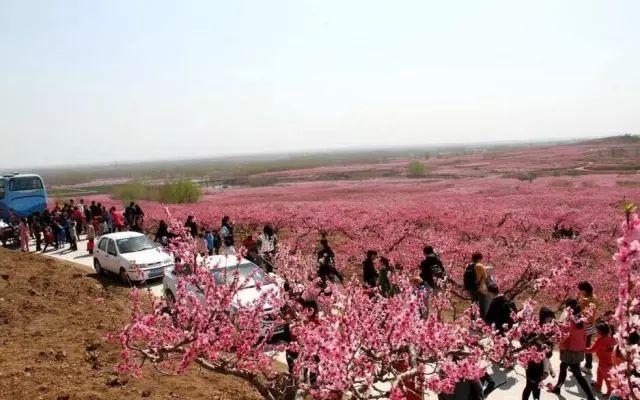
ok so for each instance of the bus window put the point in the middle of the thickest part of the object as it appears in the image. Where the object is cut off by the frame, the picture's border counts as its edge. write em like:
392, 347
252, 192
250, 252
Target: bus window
25, 183
2, 190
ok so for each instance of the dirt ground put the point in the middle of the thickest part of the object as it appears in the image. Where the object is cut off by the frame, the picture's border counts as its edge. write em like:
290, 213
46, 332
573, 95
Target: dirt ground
53, 346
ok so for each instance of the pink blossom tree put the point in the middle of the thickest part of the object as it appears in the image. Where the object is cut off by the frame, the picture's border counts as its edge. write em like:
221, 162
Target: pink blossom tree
362, 345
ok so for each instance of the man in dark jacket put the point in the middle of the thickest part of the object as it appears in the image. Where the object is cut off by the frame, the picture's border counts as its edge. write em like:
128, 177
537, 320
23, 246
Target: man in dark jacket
500, 309
326, 264
190, 224
130, 213
369, 272
431, 268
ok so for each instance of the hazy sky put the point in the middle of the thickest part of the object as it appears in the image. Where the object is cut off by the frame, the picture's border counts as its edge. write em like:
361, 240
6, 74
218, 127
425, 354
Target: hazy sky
93, 81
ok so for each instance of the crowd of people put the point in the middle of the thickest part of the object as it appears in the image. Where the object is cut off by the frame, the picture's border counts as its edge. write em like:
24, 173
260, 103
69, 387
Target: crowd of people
63, 224
589, 331
221, 241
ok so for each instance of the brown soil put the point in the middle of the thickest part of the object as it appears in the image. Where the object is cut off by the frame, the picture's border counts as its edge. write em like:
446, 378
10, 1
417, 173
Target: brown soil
53, 346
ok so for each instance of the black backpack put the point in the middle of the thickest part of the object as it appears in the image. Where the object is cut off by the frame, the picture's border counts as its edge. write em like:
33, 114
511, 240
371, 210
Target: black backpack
470, 280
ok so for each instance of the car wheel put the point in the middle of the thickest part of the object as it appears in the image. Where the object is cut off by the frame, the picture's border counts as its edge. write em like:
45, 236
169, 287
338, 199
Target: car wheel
124, 278
98, 267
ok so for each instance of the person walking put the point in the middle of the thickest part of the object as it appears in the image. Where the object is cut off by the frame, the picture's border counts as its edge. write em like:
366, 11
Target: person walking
96, 211
191, 225
88, 216
91, 237
267, 245
217, 244
387, 287
130, 213
24, 233
163, 235
588, 305
535, 371
369, 272
499, 310
475, 282
326, 264
73, 236
78, 217
226, 232
48, 238
572, 349
464, 390
201, 245
603, 348
138, 219
251, 247
36, 229
431, 268
211, 240
118, 219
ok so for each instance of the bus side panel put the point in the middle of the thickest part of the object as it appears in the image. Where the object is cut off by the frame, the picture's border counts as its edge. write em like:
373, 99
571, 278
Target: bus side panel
25, 205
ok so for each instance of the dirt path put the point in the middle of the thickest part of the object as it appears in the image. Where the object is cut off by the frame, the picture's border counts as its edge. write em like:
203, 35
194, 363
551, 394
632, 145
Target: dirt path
53, 320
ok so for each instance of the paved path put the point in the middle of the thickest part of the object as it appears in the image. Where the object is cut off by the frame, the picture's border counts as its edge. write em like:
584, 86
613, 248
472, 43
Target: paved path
85, 260
510, 385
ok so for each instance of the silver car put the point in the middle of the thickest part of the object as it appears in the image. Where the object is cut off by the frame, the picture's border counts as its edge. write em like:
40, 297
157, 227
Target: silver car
225, 269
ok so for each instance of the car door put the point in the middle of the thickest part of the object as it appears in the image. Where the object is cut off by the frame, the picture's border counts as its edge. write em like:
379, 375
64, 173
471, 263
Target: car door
100, 251
111, 257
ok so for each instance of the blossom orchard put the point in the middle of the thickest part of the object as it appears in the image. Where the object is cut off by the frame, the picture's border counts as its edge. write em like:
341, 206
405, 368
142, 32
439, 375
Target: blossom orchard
518, 238
362, 345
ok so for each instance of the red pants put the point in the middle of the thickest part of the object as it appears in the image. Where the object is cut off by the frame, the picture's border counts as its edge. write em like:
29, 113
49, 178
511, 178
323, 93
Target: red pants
603, 375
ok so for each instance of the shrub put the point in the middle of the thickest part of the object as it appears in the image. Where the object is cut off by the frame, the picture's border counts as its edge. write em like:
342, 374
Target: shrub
131, 191
416, 169
181, 191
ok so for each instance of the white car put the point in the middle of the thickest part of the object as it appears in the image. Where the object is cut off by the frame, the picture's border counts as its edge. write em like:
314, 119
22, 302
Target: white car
225, 268
131, 255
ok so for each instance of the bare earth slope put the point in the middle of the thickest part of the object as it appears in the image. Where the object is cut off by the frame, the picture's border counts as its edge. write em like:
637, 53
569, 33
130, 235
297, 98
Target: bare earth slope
53, 346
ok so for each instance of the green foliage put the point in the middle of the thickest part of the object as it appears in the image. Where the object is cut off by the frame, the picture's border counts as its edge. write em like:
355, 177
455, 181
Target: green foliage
417, 169
180, 191
629, 208
134, 190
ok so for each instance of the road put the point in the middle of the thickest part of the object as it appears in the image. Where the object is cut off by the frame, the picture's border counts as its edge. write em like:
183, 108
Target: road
510, 384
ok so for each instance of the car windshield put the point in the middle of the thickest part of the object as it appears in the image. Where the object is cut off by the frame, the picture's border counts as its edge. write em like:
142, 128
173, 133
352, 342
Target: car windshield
227, 275
133, 244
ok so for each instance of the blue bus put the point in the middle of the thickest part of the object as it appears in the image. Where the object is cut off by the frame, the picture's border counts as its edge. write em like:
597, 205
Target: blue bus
22, 193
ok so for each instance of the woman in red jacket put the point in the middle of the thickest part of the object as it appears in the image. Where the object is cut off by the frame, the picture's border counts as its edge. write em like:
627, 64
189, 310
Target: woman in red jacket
572, 351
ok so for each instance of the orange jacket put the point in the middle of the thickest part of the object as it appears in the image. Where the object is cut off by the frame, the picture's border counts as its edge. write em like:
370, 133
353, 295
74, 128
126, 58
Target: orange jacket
603, 348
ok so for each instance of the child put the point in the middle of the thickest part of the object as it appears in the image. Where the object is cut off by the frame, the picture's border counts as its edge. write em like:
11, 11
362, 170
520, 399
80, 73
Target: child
201, 245
211, 240
48, 238
24, 233
62, 235
91, 235
73, 236
603, 348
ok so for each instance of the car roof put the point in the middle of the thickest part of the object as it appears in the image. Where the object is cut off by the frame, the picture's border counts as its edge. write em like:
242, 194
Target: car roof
123, 235
224, 261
